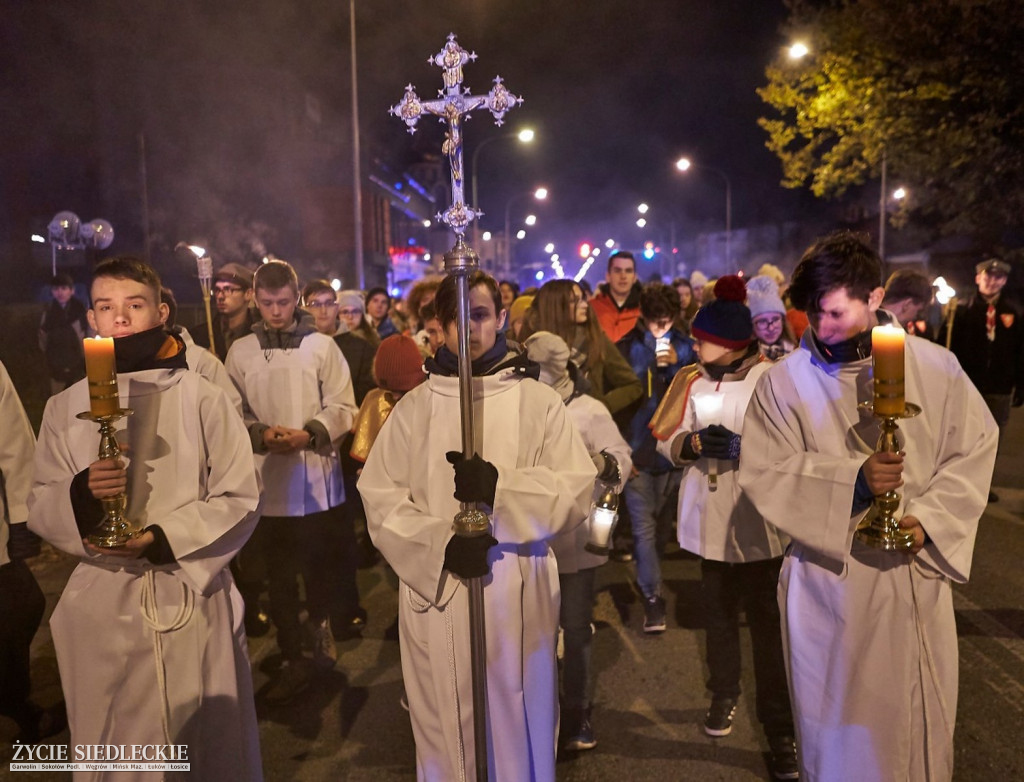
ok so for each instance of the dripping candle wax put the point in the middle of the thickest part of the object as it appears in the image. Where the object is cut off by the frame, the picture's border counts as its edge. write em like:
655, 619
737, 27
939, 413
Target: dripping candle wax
887, 352
100, 369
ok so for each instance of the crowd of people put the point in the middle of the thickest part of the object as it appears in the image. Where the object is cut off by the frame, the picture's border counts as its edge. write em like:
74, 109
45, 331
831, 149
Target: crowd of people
253, 463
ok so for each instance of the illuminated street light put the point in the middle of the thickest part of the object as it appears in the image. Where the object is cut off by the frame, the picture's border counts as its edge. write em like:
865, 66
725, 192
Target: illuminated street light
642, 209
541, 193
524, 136
549, 247
899, 193
530, 220
68, 232
520, 234
609, 243
641, 223
426, 224
486, 236
798, 51
685, 164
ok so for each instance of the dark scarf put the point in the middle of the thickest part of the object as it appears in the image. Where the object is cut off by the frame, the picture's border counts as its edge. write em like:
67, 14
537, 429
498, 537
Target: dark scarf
137, 352
446, 364
718, 371
853, 349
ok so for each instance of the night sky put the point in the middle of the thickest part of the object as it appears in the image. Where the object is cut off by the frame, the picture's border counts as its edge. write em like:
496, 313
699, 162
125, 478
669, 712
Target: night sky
219, 91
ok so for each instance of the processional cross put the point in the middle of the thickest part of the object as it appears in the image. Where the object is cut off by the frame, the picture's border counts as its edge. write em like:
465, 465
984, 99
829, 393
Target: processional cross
453, 104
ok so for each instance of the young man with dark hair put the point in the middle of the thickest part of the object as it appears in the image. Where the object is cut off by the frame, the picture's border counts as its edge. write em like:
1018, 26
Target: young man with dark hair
61, 331
232, 297
534, 475
149, 635
378, 305
870, 635
656, 350
298, 404
907, 293
617, 302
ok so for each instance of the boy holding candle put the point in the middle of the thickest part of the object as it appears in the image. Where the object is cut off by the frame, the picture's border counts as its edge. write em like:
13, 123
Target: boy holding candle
699, 427
148, 635
870, 637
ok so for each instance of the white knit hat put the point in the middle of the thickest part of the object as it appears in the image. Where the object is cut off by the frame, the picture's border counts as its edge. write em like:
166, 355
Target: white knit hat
763, 296
698, 279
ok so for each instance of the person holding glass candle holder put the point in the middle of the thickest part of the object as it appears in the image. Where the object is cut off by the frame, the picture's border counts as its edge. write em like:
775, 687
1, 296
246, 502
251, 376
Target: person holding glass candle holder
870, 635
699, 426
148, 634
578, 561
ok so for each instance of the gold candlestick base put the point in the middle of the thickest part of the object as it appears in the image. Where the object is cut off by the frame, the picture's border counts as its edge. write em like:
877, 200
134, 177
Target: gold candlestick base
114, 529
881, 528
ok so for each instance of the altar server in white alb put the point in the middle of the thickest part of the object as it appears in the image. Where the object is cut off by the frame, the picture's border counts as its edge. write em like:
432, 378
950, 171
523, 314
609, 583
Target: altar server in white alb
149, 636
298, 403
870, 636
534, 474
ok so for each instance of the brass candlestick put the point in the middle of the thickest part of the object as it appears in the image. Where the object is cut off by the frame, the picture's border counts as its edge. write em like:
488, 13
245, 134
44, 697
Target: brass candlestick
880, 527
115, 529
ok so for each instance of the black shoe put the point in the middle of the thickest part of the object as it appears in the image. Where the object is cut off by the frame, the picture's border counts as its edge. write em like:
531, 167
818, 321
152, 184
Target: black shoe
618, 554
783, 763
578, 730
257, 623
351, 625
291, 681
654, 614
718, 720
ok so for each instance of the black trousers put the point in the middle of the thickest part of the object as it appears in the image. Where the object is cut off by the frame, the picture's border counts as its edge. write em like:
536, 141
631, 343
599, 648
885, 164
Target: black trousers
725, 588
321, 548
21, 609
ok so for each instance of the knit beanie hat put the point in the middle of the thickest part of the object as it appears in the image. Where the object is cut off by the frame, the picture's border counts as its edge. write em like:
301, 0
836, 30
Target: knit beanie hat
763, 296
519, 308
771, 271
550, 351
351, 300
698, 279
398, 365
726, 320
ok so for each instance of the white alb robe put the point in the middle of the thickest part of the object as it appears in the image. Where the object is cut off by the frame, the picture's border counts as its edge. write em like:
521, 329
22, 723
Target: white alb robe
721, 525
545, 479
599, 433
870, 637
309, 382
191, 472
16, 448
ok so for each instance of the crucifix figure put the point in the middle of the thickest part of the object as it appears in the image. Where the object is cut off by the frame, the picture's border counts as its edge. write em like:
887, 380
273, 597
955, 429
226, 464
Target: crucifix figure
452, 105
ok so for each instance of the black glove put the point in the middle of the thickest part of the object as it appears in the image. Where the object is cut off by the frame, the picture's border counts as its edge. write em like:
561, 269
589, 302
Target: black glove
467, 557
476, 480
23, 543
717, 442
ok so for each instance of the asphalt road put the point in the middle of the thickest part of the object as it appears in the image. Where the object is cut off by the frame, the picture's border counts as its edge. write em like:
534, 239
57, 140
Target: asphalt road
650, 695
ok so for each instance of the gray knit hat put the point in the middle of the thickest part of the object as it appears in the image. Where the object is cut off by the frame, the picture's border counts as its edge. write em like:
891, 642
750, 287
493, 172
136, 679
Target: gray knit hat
763, 296
550, 351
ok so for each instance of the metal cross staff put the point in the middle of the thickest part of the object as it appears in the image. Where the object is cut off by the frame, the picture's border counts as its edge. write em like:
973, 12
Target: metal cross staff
452, 105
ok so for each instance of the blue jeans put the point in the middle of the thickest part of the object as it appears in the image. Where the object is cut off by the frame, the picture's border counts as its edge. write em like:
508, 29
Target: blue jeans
575, 616
646, 495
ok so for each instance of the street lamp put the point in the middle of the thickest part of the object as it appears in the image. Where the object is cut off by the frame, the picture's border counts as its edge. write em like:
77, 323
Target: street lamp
67, 232
540, 194
684, 164
524, 136
798, 51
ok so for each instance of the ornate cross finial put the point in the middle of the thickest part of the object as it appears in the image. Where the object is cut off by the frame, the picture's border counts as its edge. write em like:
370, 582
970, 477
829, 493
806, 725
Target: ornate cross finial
452, 105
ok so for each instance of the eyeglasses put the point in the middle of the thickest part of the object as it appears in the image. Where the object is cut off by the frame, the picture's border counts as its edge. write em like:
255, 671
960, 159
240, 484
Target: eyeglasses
350, 313
321, 305
225, 290
764, 323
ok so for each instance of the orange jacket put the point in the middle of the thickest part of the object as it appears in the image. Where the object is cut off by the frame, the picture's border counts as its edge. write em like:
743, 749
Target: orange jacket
616, 321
